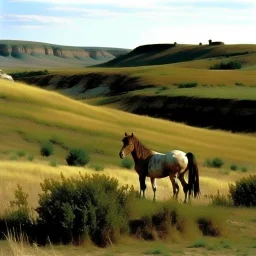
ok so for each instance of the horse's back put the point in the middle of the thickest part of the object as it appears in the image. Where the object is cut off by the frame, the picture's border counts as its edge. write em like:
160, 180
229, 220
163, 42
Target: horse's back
160, 165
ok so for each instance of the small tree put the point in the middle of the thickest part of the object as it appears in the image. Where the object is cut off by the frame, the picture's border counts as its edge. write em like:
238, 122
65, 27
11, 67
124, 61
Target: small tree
210, 42
78, 157
46, 149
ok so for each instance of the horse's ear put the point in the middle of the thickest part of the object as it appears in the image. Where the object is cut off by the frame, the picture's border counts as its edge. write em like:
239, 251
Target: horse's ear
132, 134
125, 134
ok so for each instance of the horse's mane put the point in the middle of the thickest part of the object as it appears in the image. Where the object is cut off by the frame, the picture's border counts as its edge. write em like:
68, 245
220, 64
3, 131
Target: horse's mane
140, 150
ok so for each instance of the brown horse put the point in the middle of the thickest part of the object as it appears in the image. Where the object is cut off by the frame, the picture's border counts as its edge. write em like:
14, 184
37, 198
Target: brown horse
152, 164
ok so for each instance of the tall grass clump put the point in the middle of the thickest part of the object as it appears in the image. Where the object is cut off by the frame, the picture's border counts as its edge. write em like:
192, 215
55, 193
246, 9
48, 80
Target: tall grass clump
127, 163
243, 192
46, 149
78, 157
90, 207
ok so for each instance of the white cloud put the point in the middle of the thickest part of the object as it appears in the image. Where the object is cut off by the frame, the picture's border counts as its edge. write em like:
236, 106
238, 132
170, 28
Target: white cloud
134, 3
36, 18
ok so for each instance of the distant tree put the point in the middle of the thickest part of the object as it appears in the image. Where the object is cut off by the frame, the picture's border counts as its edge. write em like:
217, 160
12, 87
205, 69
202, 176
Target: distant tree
200, 43
210, 42
175, 43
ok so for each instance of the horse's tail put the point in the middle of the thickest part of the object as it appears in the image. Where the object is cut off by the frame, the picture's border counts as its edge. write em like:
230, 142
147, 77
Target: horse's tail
193, 175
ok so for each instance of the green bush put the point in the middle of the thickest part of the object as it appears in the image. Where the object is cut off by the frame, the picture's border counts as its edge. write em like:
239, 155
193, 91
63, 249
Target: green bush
53, 163
18, 75
215, 162
233, 167
46, 149
97, 167
20, 153
243, 191
92, 207
78, 157
127, 163
187, 85
227, 65
243, 169
30, 158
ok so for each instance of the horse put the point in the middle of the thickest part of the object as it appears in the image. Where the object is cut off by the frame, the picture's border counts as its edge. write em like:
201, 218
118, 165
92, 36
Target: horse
149, 163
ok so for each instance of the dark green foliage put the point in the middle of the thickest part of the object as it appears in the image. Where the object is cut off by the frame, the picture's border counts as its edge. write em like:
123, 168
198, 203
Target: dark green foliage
20, 153
27, 74
187, 85
215, 162
94, 207
233, 167
46, 149
127, 163
227, 65
243, 192
78, 157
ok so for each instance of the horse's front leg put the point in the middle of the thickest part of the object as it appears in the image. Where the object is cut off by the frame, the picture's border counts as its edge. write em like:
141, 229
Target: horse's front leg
142, 185
153, 183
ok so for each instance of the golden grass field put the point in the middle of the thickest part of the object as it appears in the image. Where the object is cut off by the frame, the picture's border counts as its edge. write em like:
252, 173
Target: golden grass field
30, 115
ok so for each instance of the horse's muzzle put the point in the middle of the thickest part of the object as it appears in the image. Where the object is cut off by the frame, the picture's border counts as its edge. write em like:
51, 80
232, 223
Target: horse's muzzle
121, 154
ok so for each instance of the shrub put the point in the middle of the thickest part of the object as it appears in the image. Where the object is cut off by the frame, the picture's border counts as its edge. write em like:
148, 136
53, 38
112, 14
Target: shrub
187, 85
18, 75
97, 167
78, 157
30, 158
215, 162
127, 163
233, 167
46, 149
243, 169
227, 65
20, 153
243, 191
92, 207
53, 163
14, 157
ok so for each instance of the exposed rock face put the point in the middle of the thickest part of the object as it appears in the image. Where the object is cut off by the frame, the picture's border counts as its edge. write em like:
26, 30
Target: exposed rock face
17, 49
5, 76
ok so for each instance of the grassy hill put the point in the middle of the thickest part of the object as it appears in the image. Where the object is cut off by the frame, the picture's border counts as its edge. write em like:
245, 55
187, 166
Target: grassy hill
168, 53
222, 99
30, 115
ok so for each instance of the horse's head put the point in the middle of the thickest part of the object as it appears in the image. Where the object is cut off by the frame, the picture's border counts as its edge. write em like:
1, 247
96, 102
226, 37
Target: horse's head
128, 145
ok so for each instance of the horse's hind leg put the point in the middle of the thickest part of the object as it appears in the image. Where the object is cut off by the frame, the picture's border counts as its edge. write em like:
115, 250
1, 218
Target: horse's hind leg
184, 185
153, 183
175, 187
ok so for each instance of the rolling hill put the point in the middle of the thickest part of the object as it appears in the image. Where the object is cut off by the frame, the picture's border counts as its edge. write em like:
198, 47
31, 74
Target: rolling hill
158, 54
30, 115
25, 54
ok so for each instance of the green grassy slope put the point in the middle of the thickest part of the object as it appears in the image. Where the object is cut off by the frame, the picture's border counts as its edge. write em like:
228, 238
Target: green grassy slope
164, 54
30, 115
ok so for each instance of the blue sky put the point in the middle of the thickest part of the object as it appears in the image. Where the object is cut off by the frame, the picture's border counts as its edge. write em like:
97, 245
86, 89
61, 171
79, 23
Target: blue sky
128, 24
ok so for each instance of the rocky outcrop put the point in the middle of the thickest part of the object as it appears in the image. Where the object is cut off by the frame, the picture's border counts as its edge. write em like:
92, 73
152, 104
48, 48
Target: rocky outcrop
19, 49
5, 76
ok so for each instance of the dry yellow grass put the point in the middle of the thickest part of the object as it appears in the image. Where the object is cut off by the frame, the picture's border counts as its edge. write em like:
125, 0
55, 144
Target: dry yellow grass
30, 175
